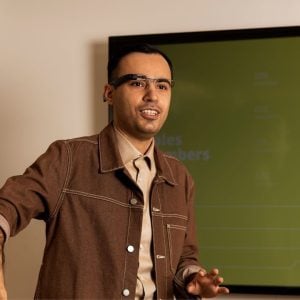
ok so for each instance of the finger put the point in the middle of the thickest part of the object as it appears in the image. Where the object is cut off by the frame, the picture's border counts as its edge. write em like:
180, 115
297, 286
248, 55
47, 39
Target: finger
214, 272
223, 290
219, 280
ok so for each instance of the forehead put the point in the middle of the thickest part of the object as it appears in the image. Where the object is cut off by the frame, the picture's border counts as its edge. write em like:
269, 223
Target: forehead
151, 65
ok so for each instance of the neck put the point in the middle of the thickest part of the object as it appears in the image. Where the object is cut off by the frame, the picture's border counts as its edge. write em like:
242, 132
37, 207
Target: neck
142, 145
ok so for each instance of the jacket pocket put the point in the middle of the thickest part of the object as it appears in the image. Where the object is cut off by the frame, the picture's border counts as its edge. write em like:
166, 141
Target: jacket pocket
176, 236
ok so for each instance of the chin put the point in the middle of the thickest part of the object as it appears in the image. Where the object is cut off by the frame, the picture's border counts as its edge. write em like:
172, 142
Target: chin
146, 135
148, 131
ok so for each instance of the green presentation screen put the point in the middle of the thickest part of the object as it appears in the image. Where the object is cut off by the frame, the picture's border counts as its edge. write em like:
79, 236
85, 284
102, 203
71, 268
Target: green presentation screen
235, 124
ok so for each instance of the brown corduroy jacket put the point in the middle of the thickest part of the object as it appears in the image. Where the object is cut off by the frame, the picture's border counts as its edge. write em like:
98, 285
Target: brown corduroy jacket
93, 212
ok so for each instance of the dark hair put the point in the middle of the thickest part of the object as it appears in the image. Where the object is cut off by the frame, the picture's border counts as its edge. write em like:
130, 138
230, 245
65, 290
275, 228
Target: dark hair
117, 55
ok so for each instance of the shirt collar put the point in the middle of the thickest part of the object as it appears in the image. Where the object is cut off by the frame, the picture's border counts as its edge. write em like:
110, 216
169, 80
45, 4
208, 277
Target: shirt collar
110, 158
128, 151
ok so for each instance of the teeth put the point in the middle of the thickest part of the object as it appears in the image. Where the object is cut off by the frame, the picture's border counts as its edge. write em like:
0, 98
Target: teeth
150, 112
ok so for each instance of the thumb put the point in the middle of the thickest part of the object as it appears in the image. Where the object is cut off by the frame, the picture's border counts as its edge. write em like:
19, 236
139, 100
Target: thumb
193, 287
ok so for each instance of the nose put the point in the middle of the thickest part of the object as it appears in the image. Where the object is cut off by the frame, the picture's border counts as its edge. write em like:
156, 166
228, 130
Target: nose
150, 92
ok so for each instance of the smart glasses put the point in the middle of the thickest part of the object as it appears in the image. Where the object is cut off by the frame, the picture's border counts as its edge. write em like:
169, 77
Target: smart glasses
142, 81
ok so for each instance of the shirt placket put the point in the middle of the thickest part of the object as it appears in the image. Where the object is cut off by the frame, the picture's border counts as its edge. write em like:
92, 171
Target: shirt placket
146, 286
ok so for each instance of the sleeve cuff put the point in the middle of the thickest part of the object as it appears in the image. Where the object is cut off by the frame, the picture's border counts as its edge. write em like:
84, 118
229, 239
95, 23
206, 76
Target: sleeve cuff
5, 227
190, 270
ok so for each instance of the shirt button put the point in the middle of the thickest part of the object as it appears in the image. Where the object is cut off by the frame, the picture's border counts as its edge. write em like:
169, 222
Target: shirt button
130, 248
133, 201
126, 292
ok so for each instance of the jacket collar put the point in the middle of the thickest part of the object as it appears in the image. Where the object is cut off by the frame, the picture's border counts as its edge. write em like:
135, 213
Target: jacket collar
110, 159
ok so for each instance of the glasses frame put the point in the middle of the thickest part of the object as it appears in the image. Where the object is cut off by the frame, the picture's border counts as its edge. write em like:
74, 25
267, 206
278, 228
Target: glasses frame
128, 77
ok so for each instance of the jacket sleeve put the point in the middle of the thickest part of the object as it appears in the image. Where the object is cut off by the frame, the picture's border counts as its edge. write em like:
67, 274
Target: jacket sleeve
36, 193
189, 258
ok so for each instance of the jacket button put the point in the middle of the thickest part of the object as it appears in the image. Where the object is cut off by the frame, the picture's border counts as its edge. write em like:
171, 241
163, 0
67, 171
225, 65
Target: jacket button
126, 292
130, 248
133, 201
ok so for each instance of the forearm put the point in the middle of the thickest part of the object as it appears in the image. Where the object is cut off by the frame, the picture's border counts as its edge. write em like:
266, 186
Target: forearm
3, 294
2, 240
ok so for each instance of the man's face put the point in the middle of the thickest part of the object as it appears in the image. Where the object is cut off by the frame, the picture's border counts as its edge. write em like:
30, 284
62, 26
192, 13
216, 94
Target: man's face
140, 107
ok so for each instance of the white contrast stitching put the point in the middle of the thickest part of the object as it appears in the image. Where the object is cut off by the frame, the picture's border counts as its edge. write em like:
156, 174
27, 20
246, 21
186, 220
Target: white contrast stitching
159, 214
94, 196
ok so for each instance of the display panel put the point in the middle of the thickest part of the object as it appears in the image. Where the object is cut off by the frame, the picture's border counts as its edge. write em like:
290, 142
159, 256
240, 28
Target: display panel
234, 122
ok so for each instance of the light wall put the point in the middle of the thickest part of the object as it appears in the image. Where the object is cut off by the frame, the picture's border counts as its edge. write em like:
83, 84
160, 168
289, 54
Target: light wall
53, 55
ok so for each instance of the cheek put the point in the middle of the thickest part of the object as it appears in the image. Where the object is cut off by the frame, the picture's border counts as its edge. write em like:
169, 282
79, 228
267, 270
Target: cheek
123, 108
166, 105
126, 100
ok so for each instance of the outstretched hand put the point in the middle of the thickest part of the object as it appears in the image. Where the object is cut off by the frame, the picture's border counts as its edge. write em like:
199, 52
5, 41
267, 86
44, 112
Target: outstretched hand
206, 285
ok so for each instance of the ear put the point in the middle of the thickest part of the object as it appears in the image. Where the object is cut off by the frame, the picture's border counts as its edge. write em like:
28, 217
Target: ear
108, 94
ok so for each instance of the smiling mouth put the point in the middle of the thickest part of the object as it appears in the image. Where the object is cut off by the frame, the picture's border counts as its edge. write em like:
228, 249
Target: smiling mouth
150, 112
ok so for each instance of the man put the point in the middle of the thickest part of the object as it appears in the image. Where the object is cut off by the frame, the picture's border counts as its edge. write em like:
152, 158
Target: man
119, 213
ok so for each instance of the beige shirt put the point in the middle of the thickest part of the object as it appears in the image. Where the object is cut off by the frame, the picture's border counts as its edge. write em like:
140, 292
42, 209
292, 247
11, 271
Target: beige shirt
142, 169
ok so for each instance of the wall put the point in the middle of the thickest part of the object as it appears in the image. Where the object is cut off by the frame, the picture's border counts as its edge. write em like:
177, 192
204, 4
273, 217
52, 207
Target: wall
52, 70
